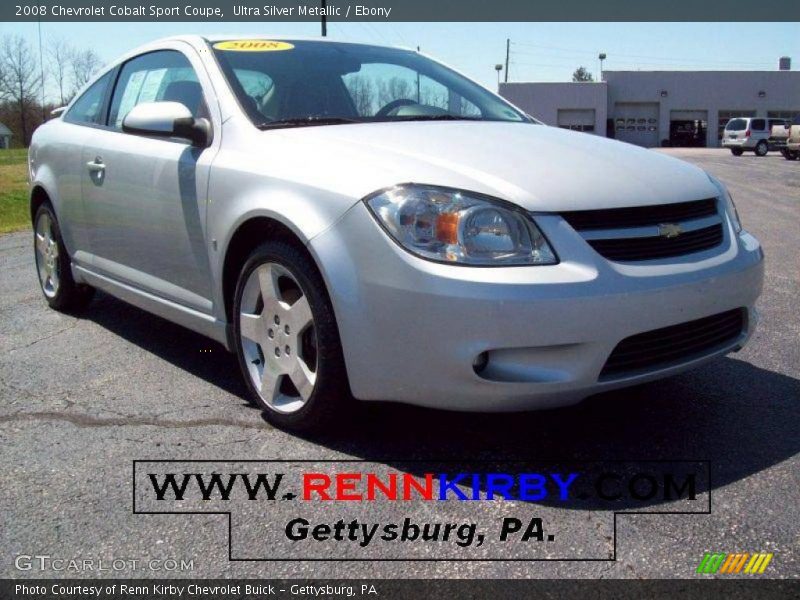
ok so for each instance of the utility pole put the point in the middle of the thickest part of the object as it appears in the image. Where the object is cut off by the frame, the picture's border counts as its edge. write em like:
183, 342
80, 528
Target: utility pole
324, 20
508, 51
41, 67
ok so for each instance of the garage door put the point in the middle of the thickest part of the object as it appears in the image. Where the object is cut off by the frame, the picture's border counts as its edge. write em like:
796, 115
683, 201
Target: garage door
637, 123
688, 128
576, 119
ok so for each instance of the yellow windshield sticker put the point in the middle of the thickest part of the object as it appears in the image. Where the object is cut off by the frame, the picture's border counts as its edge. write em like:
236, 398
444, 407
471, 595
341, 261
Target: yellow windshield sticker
253, 46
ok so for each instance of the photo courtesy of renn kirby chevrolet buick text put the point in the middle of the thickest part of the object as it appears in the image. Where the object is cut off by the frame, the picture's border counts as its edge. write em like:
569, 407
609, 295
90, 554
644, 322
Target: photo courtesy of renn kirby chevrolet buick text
356, 221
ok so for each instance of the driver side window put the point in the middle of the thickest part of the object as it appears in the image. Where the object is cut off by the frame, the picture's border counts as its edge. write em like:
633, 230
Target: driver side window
164, 75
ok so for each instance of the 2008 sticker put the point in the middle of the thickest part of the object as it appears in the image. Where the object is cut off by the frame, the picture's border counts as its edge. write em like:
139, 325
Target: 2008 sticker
253, 46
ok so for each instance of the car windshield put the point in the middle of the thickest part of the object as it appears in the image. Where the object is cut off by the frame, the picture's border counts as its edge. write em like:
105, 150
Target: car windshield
736, 125
297, 83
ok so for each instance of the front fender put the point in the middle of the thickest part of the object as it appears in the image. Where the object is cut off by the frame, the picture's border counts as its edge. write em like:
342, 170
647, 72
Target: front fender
237, 197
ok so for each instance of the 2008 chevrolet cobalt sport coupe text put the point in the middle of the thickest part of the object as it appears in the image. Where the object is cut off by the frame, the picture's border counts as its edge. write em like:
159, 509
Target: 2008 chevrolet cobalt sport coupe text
360, 221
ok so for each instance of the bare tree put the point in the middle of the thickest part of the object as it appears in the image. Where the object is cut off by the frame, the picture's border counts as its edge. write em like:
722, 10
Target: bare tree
85, 64
363, 92
59, 55
21, 79
396, 88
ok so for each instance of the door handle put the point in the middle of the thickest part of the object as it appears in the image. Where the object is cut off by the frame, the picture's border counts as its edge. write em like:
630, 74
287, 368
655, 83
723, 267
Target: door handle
96, 165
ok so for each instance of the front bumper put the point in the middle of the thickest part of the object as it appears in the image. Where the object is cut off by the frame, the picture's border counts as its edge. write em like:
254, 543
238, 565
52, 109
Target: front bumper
411, 328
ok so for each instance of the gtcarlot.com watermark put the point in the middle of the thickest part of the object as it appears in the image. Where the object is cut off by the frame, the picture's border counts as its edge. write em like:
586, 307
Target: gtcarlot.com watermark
58, 564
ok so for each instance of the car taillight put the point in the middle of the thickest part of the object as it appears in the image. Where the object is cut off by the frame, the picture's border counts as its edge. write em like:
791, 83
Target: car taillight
747, 133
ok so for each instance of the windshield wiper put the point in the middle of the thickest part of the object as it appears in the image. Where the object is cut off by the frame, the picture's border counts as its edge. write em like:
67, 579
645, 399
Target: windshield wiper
435, 118
306, 122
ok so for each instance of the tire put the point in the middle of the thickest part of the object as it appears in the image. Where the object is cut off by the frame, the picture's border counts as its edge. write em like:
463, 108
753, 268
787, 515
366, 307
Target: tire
762, 148
737, 151
789, 155
278, 290
54, 266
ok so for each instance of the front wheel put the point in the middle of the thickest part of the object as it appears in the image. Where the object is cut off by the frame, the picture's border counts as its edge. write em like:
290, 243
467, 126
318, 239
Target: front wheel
737, 151
53, 264
287, 340
762, 148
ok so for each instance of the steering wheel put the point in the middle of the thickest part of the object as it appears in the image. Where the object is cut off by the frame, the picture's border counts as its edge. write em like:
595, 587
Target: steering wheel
387, 108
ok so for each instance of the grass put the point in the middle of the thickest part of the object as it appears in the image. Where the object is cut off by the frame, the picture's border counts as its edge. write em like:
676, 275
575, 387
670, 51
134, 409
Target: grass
14, 190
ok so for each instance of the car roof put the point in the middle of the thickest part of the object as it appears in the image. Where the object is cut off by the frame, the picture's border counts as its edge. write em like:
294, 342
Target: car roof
220, 37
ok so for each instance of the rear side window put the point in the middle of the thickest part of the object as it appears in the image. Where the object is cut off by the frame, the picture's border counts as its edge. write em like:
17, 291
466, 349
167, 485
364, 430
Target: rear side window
88, 109
736, 125
162, 76
758, 124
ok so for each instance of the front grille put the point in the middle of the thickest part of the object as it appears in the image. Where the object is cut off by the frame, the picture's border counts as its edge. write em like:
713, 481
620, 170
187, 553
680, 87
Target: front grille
637, 233
675, 344
639, 216
650, 248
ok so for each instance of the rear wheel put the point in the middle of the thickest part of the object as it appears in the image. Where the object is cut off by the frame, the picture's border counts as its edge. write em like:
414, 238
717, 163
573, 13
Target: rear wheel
762, 148
287, 340
53, 265
737, 151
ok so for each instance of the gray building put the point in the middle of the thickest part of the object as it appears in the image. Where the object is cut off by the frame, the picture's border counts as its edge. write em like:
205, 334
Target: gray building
5, 137
653, 108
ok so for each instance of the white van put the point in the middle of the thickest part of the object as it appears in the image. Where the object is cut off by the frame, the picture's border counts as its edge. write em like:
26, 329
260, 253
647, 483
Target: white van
749, 134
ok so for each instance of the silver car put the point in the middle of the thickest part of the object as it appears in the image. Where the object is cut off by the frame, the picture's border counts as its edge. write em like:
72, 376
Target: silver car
363, 222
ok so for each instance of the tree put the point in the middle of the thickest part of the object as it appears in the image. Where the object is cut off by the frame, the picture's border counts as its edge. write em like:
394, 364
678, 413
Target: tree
59, 54
395, 88
85, 64
20, 79
363, 92
581, 74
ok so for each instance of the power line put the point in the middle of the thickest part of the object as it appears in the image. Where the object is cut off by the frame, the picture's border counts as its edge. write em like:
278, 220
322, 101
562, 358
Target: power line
626, 55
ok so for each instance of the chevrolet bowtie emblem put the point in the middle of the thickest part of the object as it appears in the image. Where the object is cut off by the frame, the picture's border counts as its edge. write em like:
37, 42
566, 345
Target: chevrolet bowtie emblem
669, 230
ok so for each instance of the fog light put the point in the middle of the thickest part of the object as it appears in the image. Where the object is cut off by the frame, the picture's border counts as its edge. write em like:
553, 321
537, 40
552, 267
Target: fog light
480, 362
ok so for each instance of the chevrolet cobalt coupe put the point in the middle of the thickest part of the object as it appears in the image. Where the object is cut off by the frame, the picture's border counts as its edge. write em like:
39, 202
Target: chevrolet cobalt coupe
363, 222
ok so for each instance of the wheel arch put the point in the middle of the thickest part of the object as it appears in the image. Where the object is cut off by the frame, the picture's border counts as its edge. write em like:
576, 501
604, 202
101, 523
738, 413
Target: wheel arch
248, 234
39, 196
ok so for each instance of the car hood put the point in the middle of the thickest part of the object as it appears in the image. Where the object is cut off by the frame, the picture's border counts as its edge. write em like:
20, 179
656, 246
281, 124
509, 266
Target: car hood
538, 167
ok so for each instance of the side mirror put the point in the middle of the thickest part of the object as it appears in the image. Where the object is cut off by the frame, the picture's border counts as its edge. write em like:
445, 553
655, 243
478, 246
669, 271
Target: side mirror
167, 119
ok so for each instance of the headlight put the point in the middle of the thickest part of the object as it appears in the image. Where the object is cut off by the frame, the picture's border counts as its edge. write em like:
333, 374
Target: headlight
730, 207
459, 227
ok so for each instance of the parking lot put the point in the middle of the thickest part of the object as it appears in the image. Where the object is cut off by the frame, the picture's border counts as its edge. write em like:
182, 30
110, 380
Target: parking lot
81, 397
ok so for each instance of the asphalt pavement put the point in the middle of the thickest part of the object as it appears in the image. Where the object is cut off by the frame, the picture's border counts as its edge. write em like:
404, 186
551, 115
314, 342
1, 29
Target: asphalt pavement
82, 396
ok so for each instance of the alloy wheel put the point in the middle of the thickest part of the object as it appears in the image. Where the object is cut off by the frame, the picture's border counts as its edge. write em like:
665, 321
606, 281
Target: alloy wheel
47, 263
278, 338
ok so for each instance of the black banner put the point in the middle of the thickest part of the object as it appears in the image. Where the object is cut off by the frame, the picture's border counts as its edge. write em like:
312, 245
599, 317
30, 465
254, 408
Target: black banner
400, 10
416, 589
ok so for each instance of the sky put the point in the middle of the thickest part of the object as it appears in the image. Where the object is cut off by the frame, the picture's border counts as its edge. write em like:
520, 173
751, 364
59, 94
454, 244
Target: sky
539, 51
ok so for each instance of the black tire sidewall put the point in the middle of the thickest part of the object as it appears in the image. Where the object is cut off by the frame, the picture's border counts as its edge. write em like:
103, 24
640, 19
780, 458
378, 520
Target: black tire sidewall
759, 145
69, 294
331, 391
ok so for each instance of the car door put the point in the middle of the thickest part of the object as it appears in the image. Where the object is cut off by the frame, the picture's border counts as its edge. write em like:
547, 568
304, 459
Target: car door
63, 155
145, 197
